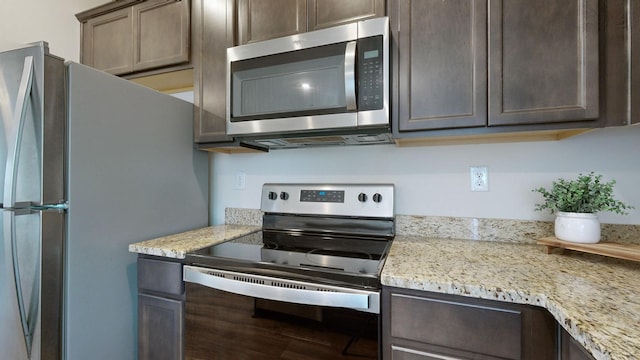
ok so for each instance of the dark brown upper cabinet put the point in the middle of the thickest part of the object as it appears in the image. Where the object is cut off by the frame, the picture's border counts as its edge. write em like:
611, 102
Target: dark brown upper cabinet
481, 65
137, 36
634, 8
267, 19
543, 61
441, 60
161, 33
213, 33
107, 42
328, 13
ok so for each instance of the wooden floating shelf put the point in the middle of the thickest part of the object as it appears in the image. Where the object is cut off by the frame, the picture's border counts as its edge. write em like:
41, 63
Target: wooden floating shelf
611, 249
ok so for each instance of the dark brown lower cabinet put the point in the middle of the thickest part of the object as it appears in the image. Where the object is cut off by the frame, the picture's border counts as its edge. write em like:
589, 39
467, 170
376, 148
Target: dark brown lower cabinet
161, 304
570, 349
424, 325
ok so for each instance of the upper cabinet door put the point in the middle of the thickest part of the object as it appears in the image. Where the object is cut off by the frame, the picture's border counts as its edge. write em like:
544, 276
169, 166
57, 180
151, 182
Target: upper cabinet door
635, 61
327, 13
108, 42
543, 61
442, 63
267, 19
162, 31
212, 35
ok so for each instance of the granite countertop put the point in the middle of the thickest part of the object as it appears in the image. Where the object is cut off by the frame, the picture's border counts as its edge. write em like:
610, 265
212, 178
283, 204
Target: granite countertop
596, 299
176, 246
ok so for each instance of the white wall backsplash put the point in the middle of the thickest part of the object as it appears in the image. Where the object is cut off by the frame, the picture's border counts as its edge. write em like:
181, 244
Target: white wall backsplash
434, 180
26, 21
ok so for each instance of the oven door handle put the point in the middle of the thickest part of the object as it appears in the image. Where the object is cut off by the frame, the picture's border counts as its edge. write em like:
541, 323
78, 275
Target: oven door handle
261, 287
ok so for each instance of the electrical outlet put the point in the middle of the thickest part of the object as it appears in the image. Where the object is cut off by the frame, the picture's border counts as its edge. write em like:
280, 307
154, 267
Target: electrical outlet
479, 178
240, 180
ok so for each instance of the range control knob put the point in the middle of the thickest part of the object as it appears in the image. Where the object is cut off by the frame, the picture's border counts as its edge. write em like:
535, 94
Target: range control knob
284, 195
377, 197
272, 195
362, 197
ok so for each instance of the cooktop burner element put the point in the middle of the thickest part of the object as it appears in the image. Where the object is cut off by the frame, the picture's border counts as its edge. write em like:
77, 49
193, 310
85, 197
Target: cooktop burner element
332, 234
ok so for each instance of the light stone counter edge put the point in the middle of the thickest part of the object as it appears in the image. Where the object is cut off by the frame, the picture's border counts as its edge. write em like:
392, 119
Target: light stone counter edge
177, 245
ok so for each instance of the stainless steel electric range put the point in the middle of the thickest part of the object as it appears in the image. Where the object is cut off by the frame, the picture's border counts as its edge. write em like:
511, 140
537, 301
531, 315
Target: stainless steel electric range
308, 282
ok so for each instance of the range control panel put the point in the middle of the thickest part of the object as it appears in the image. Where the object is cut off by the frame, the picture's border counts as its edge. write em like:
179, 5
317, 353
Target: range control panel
363, 200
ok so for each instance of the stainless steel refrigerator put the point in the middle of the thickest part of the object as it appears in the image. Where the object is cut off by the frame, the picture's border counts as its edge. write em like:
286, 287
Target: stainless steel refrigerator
89, 164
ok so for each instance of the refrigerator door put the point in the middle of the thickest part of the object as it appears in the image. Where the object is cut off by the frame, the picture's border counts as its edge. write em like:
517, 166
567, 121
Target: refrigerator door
30, 179
30, 328
32, 107
19, 288
22, 252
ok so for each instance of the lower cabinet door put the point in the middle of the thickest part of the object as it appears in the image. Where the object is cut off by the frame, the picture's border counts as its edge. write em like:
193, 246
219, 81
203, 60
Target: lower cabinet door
570, 349
160, 328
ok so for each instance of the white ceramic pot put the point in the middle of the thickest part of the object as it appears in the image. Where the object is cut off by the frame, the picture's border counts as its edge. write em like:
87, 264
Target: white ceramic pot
577, 227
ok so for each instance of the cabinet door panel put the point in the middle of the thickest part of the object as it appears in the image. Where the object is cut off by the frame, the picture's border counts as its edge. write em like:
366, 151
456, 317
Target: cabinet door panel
327, 13
161, 323
570, 349
543, 61
108, 42
267, 19
479, 329
162, 31
213, 33
441, 52
634, 8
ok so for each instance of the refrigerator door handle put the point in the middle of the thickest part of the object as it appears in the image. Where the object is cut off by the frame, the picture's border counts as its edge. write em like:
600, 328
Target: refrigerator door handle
19, 115
27, 319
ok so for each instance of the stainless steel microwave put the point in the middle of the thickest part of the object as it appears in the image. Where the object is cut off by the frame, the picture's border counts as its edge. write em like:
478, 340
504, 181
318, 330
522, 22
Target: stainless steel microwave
323, 87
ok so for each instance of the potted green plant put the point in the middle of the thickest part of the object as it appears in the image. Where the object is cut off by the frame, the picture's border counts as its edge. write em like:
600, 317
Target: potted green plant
576, 203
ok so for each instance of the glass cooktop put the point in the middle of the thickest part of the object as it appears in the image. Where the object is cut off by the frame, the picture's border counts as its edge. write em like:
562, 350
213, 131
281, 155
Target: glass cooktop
315, 257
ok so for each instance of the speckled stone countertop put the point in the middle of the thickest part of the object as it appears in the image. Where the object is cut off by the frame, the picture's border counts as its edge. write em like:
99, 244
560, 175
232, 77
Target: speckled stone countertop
596, 299
177, 245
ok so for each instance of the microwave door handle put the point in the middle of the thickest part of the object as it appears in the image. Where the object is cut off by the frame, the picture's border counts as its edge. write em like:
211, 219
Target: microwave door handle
350, 75
15, 139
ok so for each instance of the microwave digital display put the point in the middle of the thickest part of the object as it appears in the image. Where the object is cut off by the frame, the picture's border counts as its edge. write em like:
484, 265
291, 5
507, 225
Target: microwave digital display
371, 54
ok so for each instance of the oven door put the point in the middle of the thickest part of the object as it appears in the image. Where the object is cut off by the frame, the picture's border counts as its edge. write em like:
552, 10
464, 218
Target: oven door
234, 324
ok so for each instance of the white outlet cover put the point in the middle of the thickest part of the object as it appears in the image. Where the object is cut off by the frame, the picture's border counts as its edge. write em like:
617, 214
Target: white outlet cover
479, 177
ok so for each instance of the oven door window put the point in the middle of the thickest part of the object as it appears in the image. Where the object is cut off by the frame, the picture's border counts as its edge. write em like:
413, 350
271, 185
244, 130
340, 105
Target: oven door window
225, 326
302, 82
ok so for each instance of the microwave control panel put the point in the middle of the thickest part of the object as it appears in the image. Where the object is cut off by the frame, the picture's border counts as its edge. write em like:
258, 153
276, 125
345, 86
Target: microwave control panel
370, 73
